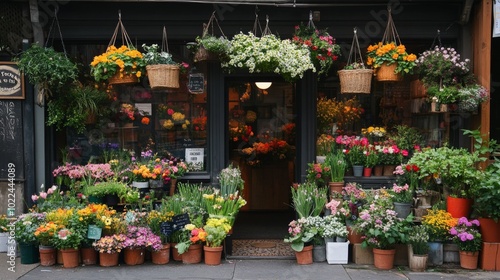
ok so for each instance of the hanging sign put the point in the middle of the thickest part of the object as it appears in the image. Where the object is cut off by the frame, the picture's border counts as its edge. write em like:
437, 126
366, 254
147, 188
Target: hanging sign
496, 19
196, 83
11, 81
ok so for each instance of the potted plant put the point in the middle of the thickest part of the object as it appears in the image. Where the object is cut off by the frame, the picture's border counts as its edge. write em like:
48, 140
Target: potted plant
45, 235
210, 47
388, 59
76, 108
68, 241
466, 235
418, 248
216, 230
109, 248
337, 163
324, 146
308, 199
138, 238
318, 173
402, 197
438, 223
487, 203
162, 71
109, 190
190, 245
118, 65
356, 158
48, 69
322, 47
268, 54
299, 236
371, 161
25, 227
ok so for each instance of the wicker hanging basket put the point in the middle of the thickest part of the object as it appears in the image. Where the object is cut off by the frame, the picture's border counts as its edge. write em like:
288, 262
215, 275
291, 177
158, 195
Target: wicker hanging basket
163, 76
355, 81
386, 73
203, 54
123, 80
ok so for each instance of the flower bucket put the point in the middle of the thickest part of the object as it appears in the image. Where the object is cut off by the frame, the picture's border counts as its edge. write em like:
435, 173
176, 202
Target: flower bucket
319, 253
355, 81
134, 256
458, 207
436, 254
490, 230
386, 73
163, 76
29, 253
125, 79
383, 259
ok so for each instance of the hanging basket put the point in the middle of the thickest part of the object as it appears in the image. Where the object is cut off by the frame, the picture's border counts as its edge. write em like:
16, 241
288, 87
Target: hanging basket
123, 80
355, 81
163, 76
386, 73
203, 54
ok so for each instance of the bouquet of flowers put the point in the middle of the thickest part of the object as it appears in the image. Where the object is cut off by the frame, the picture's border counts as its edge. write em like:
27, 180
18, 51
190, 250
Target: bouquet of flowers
324, 144
374, 133
299, 233
239, 131
318, 173
173, 168
124, 60
110, 244
268, 54
390, 53
321, 46
273, 149
170, 116
439, 223
466, 235
223, 206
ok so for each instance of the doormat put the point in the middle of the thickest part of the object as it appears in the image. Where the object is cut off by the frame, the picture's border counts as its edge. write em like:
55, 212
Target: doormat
262, 248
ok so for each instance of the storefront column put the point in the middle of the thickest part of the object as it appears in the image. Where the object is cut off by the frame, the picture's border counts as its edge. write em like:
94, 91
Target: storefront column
217, 122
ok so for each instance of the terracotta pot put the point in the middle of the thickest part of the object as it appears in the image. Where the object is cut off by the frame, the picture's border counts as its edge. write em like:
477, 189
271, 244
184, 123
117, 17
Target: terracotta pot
458, 207
468, 260
383, 259
106, 259
335, 188
125, 79
48, 255
490, 230
70, 257
305, 256
385, 73
353, 236
173, 182
175, 252
162, 256
212, 255
378, 170
59, 258
133, 256
388, 170
89, 256
367, 171
193, 254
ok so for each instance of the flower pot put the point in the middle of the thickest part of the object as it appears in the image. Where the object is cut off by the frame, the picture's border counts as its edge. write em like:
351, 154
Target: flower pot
355, 80
378, 170
162, 256
357, 170
319, 253
203, 54
175, 252
48, 255
389, 170
417, 263
125, 79
4, 237
450, 253
490, 230
193, 254
133, 256
386, 73
468, 260
353, 236
435, 253
458, 207
59, 257
111, 199
70, 257
383, 259
89, 256
108, 259
163, 76
402, 209
95, 199
335, 188
173, 183
212, 255
29, 253
367, 171
305, 256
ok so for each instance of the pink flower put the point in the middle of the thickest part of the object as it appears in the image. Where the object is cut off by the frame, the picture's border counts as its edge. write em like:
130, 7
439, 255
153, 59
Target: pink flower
34, 197
43, 195
404, 153
63, 234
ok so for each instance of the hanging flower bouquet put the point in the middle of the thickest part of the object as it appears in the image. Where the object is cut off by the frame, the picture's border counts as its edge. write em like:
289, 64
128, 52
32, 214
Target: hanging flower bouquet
268, 54
321, 46
391, 53
121, 61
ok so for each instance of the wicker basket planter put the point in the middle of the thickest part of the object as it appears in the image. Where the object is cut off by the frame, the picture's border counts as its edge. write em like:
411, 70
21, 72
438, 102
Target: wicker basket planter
163, 76
386, 73
355, 81
125, 79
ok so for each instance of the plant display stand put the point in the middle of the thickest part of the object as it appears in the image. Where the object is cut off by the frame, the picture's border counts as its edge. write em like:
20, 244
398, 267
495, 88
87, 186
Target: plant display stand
361, 255
337, 252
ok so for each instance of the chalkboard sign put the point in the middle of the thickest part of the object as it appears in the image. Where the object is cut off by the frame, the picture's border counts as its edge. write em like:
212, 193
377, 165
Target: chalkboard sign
187, 143
11, 81
94, 232
196, 84
180, 221
166, 228
11, 139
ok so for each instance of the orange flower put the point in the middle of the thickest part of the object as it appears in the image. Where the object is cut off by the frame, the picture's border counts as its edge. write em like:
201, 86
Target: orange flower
145, 120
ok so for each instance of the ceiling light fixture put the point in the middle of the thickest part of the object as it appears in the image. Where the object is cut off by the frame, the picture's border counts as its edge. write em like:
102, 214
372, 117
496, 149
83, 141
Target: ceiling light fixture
263, 85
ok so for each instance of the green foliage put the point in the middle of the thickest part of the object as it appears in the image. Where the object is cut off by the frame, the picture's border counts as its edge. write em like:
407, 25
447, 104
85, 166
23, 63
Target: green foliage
407, 137
418, 240
338, 164
46, 66
154, 55
487, 193
308, 199
105, 188
444, 95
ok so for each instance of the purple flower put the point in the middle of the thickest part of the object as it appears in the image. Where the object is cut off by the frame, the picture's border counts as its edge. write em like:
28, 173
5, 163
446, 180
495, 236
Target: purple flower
475, 222
453, 231
463, 237
469, 236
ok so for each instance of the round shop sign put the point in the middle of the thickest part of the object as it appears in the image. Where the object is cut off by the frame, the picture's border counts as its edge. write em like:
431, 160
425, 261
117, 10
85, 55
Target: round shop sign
10, 81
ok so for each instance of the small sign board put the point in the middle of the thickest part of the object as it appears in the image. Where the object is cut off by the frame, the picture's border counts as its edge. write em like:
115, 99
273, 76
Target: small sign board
11, 81
180, 221
195, 156
196, 83
166, 228
94, 232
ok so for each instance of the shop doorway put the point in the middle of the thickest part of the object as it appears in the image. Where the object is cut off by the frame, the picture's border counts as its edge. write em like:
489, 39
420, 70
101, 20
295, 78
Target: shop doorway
262, 142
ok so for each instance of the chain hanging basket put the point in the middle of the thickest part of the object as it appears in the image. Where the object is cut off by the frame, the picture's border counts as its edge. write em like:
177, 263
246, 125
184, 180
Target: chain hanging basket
120, 79
355, 80
386, 72
163, 75
202, 54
